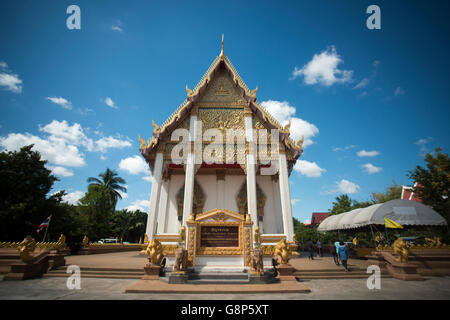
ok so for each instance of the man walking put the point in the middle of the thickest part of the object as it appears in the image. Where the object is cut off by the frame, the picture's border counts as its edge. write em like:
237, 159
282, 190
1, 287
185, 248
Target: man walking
319, 248
343, 254
310, 249
334, 254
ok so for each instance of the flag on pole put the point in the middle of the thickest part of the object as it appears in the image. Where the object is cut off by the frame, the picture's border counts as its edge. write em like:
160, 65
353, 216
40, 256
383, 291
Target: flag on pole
44, 224
392, 224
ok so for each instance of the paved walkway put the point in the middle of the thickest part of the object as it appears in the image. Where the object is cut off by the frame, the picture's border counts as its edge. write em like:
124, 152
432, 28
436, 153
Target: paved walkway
433, 288
128, 259
132, 259
326, 262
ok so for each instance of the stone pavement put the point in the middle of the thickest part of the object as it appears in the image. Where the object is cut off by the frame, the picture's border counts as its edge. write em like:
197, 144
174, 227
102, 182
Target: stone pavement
433, 288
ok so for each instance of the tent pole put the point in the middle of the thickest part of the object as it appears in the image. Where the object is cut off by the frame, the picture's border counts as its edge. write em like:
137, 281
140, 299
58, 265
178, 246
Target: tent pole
373, 235
339, 235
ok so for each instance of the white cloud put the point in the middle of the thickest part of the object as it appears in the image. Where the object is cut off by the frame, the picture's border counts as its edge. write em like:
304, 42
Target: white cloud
61, 171
399, 91
61, 146
364, 153
109, 142
142, 205
422, 143
370, 168
306, 221
294, 201
309, 169
102, 157
56, 151
134, 165
117, 26
110, 103
147, 178
10, 82
362, 84
73, 197
282, 111
323, 69
344, 148
64, 103
345, 186
61, 130
3, 65
376, 63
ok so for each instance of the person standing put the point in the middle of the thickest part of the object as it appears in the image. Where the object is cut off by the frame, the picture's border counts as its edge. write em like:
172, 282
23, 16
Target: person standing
334, 254
319, 248
336, 248
343, 254
310, 249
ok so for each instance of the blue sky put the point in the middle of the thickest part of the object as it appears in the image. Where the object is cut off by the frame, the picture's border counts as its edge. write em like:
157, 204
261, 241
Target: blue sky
348, 89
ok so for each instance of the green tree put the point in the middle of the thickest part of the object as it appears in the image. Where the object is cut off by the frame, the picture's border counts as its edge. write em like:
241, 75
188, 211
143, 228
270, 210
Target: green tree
98, 204
392, 192
24, 185
433, 182
342, 204
108, 186
129, 225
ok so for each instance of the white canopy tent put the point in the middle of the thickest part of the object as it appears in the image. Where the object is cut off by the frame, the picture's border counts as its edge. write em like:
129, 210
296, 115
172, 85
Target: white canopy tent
405, 212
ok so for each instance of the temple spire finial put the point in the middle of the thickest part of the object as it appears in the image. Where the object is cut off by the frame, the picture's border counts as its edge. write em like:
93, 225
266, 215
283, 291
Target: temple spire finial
221, 52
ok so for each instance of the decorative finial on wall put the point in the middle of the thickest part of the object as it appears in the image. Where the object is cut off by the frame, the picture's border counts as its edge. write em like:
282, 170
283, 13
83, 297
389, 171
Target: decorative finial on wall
221, 52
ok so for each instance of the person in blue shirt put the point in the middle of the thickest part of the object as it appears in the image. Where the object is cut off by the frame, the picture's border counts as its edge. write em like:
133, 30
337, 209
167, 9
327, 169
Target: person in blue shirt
336, 247
343, 254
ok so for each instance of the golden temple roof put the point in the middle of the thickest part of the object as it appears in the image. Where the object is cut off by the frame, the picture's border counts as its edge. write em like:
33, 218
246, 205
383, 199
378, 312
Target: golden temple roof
249, 96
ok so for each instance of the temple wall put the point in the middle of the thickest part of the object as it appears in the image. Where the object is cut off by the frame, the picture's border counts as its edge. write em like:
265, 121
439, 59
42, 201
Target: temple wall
273, 220
173, 225
272, 223
209, 186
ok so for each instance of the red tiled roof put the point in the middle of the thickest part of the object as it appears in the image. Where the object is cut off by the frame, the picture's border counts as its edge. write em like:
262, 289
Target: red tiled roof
318, 217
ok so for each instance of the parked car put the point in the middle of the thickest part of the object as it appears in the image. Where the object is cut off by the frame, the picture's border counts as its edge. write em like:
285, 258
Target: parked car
110, 240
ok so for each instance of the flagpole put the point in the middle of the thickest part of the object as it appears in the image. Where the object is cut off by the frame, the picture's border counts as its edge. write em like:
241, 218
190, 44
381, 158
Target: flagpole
46, 229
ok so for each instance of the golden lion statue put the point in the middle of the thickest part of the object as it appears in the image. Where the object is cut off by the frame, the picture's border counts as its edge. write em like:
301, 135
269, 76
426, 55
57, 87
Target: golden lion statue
401, 248
282, 251
26, 248
155, 252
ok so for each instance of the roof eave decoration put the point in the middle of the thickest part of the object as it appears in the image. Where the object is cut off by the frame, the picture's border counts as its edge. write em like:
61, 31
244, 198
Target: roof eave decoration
160, 132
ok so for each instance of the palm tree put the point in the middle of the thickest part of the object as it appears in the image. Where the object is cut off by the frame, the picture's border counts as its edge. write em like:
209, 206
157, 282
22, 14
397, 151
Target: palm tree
109, 185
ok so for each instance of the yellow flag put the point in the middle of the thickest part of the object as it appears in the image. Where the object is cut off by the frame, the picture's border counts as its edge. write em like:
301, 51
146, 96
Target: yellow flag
392, 224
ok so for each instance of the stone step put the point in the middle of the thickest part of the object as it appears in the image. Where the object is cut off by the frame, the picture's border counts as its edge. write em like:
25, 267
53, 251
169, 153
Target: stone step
218, 281
105, 269
218, 275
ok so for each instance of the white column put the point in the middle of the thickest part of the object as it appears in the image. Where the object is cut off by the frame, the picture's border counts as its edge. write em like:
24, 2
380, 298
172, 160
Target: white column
190, 171
162, 211
251, 172
154, 196
285, 195
220, 190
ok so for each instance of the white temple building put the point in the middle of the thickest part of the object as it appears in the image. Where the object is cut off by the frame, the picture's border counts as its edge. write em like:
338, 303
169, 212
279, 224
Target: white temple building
212, 166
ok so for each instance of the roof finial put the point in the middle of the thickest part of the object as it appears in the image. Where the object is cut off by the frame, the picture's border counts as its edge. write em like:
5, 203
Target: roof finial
221, 52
